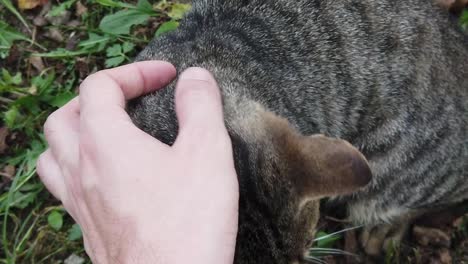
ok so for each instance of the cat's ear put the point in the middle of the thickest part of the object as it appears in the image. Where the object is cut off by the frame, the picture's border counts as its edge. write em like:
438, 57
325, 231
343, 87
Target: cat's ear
323, 166
319, 166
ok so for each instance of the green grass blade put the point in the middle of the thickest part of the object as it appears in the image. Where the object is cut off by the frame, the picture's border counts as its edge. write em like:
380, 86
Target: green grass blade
111, 3
6, 210
9, 5
62, 53
19, 241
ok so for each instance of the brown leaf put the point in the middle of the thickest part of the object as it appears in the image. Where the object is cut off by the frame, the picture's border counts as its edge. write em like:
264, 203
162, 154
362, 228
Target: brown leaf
82, 66
444, 256
55, 34
40, 21
30, 4
74, 259
37, 63
351, 246
80, 9
61, 19
3, 135
15, 55
431, 236
72, 42
74, 23
458, 222
329, 259
9, 171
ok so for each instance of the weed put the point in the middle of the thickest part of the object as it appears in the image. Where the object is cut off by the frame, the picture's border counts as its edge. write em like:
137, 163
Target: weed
34, 228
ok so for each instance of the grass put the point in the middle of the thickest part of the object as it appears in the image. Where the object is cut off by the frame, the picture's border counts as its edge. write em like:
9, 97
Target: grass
34, 227
38, 75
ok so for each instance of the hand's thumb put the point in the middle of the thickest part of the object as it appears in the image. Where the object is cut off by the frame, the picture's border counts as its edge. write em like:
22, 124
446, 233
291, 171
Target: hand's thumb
198, 104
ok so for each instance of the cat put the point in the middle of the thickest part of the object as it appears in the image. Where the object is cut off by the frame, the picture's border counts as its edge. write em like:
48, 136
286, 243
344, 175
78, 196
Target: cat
302, 78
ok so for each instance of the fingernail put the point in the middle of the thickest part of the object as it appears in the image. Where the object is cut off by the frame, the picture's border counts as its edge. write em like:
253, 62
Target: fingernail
196, 73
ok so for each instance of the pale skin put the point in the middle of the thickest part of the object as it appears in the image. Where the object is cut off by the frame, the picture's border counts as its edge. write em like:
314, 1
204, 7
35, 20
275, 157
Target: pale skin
136, 199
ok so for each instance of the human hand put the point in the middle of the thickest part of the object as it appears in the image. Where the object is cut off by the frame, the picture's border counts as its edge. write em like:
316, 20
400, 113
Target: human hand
136, 199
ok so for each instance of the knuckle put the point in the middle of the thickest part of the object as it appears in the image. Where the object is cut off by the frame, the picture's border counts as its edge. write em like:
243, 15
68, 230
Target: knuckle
86, 81
40, 165
51, 123
91, 79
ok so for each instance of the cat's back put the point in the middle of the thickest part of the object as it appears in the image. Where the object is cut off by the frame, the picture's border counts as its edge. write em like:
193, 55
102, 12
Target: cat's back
409, 112
389, 76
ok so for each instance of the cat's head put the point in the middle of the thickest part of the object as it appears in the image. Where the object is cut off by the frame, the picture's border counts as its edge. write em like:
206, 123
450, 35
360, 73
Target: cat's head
282, 174
282, 177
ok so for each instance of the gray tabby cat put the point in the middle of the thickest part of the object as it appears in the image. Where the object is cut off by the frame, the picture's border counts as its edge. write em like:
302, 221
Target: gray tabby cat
388, 76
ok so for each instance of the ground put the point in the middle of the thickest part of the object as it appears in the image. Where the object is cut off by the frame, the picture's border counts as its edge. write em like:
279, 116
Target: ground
47, 47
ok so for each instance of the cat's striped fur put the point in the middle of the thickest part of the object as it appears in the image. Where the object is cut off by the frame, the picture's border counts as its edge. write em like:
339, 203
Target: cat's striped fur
389, 76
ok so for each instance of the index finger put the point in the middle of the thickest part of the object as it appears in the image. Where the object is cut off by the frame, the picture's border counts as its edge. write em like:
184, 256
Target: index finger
104, 91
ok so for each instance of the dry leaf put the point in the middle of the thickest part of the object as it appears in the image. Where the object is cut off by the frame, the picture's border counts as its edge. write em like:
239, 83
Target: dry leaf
351, 246
40, 21
431, 236
458, 222
55, 34
9, 171
61, 19
30, 4
444, 256
80, 9
74, 23
74, 259
37, 63
3, 135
